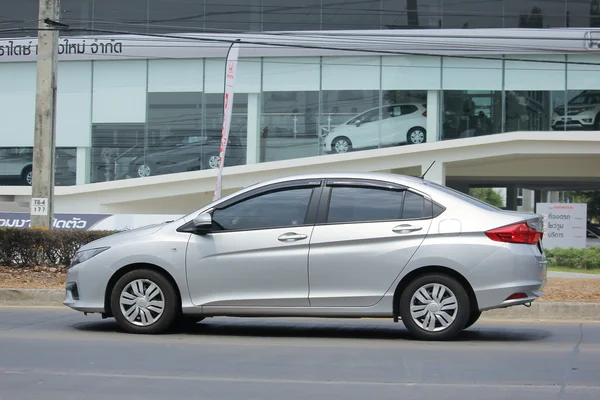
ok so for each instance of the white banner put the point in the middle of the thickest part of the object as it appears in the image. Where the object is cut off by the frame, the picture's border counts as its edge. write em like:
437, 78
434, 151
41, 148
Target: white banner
230, 73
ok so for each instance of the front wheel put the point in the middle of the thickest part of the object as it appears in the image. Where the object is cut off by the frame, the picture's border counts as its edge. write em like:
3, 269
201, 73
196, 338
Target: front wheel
434, 307
144, 301
341, 145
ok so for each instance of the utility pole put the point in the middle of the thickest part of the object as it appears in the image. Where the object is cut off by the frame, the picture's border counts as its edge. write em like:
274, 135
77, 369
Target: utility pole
42, 182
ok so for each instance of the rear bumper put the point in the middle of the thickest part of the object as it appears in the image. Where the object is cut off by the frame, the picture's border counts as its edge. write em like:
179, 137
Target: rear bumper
513, 270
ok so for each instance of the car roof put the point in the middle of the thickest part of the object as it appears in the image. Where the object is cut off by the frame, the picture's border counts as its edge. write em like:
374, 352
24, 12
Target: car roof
380, 176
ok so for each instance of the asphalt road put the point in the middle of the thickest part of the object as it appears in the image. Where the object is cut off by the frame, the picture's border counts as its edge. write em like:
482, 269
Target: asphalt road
53, 354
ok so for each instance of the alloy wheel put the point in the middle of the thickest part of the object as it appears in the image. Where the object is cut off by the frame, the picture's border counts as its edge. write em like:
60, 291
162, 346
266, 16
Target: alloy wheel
29, 178
433, 307
341, 146
213, 162
417, 136
142, 302
144, 171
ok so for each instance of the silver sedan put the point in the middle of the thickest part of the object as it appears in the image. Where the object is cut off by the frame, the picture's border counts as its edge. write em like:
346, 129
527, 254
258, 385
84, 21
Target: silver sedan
322, 245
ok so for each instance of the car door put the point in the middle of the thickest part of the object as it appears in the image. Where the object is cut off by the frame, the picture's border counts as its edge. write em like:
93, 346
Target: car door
366, 233
257, 251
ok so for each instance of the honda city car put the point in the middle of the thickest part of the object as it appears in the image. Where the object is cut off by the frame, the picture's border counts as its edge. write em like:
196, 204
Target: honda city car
386, 126
322, 245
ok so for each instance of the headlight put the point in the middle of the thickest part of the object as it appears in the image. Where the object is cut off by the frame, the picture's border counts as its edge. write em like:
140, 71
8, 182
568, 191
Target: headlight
579, 111
85, 255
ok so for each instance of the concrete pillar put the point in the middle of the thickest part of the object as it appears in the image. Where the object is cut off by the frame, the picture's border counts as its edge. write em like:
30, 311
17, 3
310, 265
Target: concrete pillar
437, 172
511, 197
462, 187
253, 139
83, 168
433, 114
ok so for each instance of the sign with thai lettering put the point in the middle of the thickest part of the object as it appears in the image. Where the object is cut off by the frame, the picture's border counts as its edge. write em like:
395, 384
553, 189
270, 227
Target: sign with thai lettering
85, 222
565, 225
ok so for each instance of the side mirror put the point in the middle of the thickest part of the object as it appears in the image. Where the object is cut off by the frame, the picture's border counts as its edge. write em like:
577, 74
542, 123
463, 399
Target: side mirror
357, 123
203, 223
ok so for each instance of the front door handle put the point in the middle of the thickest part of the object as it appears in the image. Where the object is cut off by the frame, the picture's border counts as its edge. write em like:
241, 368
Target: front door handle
291, 237
406, 228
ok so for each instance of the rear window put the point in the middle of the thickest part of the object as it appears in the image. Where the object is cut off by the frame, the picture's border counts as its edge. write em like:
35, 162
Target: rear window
465, 197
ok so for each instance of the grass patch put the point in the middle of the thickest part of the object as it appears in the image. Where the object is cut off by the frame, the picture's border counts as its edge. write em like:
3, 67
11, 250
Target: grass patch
595, 271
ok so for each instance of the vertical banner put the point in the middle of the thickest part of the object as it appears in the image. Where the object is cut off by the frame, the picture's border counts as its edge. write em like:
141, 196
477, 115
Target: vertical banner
230, 73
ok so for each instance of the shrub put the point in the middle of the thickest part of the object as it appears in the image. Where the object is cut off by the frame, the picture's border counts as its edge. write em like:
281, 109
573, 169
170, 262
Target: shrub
28, 247
574, 258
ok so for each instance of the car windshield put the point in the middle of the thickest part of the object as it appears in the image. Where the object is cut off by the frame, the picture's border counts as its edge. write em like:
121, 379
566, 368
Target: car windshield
589, 98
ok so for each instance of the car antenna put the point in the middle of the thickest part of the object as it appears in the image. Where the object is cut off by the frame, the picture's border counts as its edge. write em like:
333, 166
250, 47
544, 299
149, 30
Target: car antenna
425, 173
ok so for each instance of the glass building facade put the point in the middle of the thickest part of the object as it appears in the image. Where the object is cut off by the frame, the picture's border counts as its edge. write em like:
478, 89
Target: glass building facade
167, 16
131, 117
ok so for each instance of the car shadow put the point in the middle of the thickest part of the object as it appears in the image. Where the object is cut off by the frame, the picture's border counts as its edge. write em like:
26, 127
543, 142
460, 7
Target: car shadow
298, 329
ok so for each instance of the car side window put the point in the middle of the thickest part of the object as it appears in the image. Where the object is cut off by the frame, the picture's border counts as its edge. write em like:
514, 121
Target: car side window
277, 209
359, 204
408, 109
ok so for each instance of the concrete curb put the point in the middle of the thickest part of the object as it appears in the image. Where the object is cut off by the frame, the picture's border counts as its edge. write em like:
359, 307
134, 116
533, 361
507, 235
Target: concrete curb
537, 311
32, 297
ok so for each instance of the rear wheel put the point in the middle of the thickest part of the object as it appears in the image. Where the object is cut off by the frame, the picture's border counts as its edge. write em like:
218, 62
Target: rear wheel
434, 307
144, 301
416, 135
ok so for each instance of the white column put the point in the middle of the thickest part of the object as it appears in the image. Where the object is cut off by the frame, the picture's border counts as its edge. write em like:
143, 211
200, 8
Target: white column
84, 160
433, 111
437, 172
253, 140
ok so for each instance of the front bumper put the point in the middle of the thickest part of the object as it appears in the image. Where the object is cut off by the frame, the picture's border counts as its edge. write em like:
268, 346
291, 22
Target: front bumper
85, 287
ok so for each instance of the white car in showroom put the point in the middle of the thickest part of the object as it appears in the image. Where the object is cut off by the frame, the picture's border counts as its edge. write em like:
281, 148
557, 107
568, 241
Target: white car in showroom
389, 125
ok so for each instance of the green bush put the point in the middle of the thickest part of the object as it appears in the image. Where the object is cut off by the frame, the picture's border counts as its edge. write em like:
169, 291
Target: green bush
29, 247
574, 258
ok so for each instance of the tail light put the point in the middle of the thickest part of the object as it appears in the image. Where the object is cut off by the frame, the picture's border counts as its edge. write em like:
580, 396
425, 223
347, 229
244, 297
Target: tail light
517, 233
425, 113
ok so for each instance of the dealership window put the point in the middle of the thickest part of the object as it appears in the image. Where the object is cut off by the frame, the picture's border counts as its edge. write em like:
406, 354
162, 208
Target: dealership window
345, 15
301, 15
583, 14
289, 109
471, 97
350, 111
582, 96
535, 14
467, 14
111, 143
16, 164
411, 14
228, 16
534, 87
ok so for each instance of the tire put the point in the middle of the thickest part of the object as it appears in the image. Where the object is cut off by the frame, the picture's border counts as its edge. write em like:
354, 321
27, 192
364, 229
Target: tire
458, 316
416, 135
473, 317
27, 175
341, 145
136, 324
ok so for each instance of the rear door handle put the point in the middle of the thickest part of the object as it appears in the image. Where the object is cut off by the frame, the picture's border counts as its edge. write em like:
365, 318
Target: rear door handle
406, 228
291, 237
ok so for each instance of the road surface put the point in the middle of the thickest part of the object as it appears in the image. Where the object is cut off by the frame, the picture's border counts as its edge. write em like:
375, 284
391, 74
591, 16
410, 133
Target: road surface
54, 354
